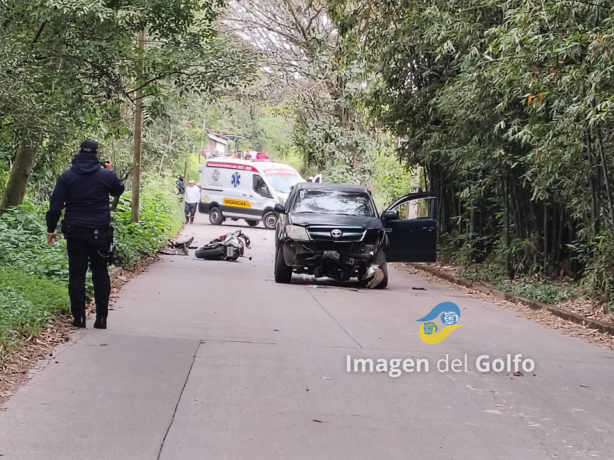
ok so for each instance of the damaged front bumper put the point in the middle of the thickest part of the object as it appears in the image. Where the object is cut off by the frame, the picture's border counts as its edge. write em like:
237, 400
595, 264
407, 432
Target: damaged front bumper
340, 261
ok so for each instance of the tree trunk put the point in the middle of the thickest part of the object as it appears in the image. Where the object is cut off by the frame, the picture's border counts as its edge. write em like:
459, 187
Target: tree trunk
546, 246
604, 168
138, 135
506, 227
20, 173
594, 182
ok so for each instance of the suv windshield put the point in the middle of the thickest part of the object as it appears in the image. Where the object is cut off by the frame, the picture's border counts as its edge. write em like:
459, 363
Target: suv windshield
334, 202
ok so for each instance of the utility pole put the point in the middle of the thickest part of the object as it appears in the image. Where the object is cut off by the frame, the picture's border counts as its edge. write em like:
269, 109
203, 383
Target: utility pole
138, 132
202, 143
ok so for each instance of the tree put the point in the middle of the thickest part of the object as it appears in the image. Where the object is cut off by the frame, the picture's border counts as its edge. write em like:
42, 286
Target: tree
301, 59
67, 65
507, 106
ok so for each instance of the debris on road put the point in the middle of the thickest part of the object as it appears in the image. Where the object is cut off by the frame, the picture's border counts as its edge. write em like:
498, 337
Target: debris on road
177, 248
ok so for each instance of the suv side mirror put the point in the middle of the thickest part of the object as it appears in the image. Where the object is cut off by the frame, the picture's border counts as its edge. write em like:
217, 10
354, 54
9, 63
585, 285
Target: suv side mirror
279, 208
390, 215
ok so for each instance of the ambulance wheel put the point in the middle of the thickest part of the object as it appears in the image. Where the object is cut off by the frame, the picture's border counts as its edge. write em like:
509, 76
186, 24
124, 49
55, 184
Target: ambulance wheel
252, 223
215, 216
270, 220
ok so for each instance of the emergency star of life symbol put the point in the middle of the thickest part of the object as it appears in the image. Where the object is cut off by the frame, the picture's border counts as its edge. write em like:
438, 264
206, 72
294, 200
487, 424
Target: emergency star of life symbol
236, 179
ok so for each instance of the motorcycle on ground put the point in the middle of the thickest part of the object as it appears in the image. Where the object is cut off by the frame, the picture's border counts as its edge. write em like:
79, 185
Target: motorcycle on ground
226, 247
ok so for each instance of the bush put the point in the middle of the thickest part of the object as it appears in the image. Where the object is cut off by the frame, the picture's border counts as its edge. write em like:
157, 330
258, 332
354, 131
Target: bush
23, 244
28, 303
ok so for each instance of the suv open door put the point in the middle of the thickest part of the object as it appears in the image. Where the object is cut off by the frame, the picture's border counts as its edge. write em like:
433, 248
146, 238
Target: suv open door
412, 239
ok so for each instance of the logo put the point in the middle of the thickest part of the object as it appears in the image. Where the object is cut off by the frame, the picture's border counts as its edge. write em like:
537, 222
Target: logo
236, 179
336, 233
450, 315
216, 175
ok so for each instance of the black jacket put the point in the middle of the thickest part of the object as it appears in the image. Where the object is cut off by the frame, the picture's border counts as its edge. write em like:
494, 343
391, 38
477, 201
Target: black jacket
84, 191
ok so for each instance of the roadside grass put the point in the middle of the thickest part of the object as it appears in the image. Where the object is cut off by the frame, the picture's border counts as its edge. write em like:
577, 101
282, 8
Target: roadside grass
545, 291
28, 305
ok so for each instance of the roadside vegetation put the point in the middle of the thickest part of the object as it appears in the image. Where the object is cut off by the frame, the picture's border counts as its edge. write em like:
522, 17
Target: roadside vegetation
34, 275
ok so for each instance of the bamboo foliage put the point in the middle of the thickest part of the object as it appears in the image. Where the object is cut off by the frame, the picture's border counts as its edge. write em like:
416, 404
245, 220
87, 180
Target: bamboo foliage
508, 107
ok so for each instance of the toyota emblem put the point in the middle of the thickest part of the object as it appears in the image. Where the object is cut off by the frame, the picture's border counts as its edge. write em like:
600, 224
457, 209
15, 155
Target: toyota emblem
336, 233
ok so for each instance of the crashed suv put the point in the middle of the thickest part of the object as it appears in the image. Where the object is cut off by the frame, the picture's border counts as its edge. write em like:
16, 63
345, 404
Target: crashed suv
335, 231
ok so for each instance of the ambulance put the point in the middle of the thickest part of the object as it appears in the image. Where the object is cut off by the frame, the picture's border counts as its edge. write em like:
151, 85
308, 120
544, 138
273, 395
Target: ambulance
242, 189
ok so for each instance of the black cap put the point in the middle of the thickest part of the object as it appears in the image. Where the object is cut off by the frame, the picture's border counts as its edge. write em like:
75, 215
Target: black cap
89, 146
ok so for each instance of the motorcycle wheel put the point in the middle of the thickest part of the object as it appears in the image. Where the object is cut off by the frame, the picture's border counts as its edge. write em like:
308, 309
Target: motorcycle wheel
210, 253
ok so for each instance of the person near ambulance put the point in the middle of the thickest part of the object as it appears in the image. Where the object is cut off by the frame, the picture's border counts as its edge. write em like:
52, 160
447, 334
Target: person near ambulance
192, 198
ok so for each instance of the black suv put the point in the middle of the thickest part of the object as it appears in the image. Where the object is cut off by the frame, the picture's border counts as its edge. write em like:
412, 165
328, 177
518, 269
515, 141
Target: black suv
335, 231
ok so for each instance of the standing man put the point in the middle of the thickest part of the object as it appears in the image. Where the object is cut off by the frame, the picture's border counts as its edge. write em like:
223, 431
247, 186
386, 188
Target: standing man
192, 198
180, 185
84, 191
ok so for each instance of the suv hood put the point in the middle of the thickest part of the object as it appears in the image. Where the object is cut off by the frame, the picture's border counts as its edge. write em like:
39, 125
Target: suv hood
333, 220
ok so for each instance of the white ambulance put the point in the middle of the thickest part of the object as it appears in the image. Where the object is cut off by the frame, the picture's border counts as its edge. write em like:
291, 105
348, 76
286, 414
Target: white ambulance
243, 189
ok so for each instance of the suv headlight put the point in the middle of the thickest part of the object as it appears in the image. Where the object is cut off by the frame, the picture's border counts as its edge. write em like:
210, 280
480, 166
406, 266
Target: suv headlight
297, 233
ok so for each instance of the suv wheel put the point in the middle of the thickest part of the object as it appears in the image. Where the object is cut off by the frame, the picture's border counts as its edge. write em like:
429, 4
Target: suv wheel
283, 273
384, 283
270, 220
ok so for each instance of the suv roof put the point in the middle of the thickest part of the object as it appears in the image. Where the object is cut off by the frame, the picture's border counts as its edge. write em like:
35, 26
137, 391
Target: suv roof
320, 186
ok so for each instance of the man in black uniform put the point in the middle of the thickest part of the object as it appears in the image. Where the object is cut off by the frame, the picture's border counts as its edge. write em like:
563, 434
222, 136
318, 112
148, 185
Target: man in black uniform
84, 191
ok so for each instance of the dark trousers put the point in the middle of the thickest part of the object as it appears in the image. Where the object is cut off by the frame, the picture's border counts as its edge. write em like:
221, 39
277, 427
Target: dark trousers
190, 212
85, 248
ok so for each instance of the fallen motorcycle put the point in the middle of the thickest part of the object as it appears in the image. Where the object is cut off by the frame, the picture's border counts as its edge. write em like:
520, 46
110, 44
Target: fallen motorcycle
226, 247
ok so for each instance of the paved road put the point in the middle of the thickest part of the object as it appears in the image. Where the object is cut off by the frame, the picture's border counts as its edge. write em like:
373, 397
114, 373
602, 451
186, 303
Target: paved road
213, 360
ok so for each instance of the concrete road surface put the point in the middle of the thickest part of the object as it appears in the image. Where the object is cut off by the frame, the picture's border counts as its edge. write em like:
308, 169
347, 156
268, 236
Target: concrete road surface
213, 360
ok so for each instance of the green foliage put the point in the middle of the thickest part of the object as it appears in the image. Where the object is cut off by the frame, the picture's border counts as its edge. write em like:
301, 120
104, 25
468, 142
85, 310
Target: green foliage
535, 288
23, 245
161, 216
69, 70
508, 108
389, 179
27, 305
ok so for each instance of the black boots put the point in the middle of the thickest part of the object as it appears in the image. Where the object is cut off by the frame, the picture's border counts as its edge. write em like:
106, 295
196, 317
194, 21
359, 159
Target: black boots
101, 323
79, 321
